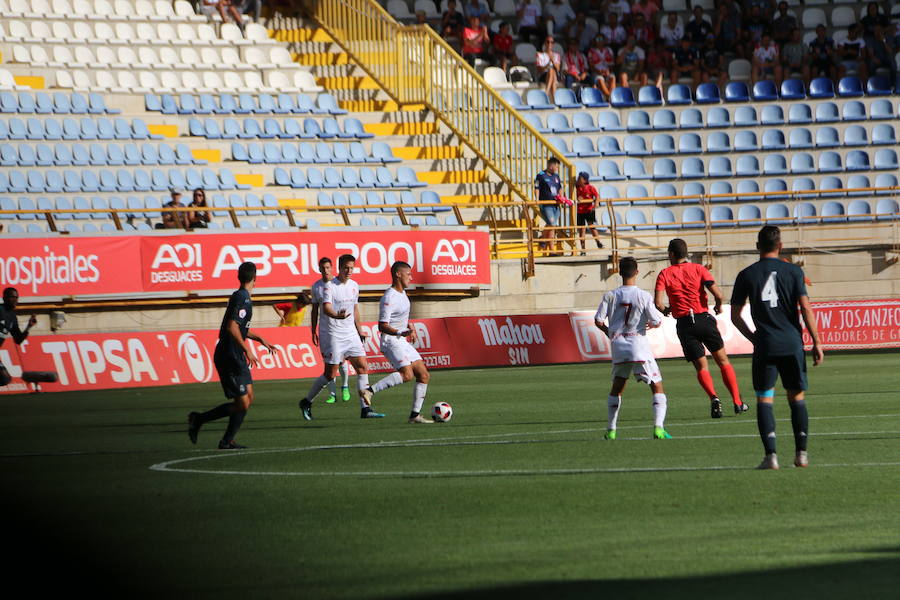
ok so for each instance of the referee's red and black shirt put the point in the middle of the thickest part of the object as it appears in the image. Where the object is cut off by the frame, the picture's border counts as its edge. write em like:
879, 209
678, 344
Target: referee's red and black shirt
684, 284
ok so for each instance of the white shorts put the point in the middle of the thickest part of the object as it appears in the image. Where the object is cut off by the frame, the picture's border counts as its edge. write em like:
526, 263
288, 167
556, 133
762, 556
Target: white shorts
335, 351
646, 372
398, 351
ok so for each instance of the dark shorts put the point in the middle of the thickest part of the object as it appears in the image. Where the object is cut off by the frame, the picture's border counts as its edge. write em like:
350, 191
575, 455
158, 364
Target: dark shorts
791, 368
234, 376
697, 332
588, 218
5, 377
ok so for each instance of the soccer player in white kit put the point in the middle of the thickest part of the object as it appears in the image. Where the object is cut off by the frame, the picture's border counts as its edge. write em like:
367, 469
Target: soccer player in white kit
318, 330
396, 335
631, 311
340, 303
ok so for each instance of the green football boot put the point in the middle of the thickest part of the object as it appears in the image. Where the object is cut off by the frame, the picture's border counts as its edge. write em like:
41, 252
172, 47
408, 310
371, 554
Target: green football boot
661, 434
610, 435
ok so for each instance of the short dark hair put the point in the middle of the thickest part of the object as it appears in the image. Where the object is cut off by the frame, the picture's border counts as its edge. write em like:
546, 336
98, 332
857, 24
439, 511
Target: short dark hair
9, 290
246, 272
324, 260
678, 247
628, 267
395, 268
552, 161
344, 259
303, 298
768, 238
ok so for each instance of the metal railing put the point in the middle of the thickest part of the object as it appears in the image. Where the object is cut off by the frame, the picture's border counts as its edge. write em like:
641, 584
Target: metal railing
414, 65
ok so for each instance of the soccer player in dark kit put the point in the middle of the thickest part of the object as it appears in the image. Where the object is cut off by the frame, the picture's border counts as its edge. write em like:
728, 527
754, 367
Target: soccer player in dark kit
9, 326
233, 359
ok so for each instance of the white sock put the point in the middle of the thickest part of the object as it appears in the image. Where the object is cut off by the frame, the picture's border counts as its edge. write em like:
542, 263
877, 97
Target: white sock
659, 409
387, 382
613, 403
419, 396
362, 382
345, 374
320, 382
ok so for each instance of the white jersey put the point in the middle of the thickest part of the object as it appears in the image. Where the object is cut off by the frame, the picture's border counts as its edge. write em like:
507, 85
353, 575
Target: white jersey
342, 297
318, 296
629, 310
393, 309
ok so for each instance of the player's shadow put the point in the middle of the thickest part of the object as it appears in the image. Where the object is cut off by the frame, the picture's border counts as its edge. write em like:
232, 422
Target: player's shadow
868, 578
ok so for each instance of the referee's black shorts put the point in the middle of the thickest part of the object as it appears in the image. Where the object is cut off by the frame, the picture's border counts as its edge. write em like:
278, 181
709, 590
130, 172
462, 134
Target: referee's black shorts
697, 331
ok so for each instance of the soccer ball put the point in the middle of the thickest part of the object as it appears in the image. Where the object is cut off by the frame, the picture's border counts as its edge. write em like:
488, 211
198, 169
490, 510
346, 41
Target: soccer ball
442, 412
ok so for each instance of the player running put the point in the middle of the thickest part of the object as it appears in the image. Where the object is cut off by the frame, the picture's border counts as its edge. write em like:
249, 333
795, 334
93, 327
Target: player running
340, 303
775, 289
685, 283
319, 328
231, 358
396, 335
9, 326
631, 311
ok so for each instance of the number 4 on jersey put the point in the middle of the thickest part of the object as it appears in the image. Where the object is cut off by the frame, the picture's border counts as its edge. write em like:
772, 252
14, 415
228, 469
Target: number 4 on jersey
769, 291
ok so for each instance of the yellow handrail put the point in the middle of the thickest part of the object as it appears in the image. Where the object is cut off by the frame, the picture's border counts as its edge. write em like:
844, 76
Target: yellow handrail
414, 65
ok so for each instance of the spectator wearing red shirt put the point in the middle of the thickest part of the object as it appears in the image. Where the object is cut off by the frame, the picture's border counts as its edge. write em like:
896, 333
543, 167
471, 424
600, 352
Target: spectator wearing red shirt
685, 284
502, 45
475, 40
586, 210
576, 68
642, 31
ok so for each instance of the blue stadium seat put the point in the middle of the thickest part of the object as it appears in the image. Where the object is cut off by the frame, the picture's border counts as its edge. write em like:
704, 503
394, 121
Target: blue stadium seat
538, 100
8, 155
245, 105
664, 218
514, 100
53, 183
663, 119
859, 210
833, 212
8, 103
745, 116
637, 219
633, 168
778, 214
764, 91
793, 89
883, 134
266, 104
775, 164
853, 110
720, 166
721, 216
775, 187
882, 108
886, 158
799, 114
565, 98
635, 146
607, 145
887, 209
800, 137
718, 141
830, 162
749, 216
330, 129
44, 156
43, 103
879, 85
885, 180
560, 144
604, 220
62, 103
535, 121
557, 123
26, 156
609, 121
332, 177
187, 104
662, 143
693, 217
850, 87
773, 139
206, 105
855, 135
638, 120
832, 183
858, 181
692, 188
748, 190
285, 104
737, 91
678, 94
26, 103
649, 95
693, 168
622, 97
35, 182
663, 194
708, 93
583, 122
637, 195
584, 147
406, 177
772, 115
692, 118
745, 141
827, 112
805, 212
383, 153
328, 103
827, 137
821, 87
664, 168
353, 128
689, 143
592, 98
608, 170
719, 191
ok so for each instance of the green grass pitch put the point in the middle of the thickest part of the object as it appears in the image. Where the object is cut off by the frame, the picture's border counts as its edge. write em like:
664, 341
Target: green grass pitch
518, 496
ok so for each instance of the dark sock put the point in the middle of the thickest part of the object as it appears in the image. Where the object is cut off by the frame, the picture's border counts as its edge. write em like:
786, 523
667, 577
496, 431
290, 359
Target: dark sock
234, 423
222, 410
800, 422
765, 420
413, 415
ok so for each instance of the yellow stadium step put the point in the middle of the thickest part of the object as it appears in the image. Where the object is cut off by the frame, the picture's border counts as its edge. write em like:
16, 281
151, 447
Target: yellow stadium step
502, 223
252, 179
168, 131
435, 177
325, 59
300, 35
292, 202
207, 155
348, 83
478, 199
401, 128
33, 81
427, 152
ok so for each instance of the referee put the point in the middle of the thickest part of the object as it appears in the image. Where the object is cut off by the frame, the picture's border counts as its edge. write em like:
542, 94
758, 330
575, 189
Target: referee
685, 283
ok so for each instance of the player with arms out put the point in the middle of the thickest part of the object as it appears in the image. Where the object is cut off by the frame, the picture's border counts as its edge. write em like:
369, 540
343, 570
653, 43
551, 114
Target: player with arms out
396, 335
685, 283
630, 311
775, 289
340, 303
233, 358
317, 322
9, 326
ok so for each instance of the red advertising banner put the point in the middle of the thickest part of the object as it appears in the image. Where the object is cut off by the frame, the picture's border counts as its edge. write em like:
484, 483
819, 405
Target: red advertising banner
116, 360
208, 262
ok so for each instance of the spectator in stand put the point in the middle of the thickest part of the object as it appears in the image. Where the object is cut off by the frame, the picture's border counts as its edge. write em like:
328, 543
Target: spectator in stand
698, 28
871, 20
766, 61
620, 8
671, 31
881, 54
766, 8
602, 60
658, 64
476, 8
224, 8
290, 314
560, 15
475, 41
502, 46
529, 16
754, 27
727, 28
630, 63
685, 62
783, 24
851, 54
822, 55
795, 57
642, 32
648, 8
584, 32
614, 33
549, 66
577, 70
452, 24
586, 215
198, 218
712, 63
173, 219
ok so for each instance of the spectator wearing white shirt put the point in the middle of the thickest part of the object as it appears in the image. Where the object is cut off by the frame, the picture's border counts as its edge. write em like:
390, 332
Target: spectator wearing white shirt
671, 31
530, 16
620, 8
561, 14
766, 61
549, 65
851, 54
614, 33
